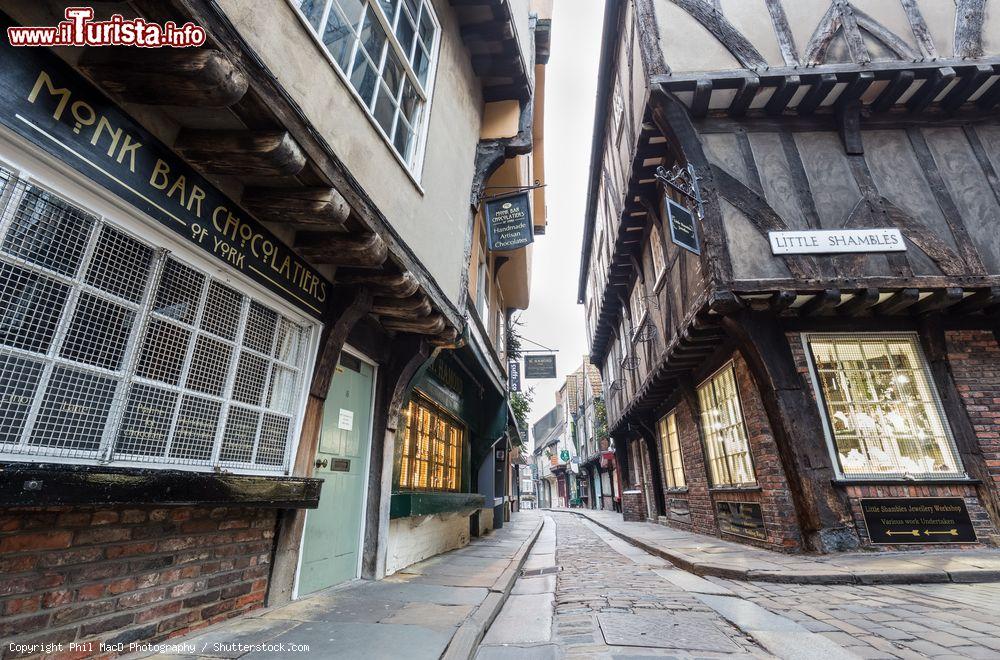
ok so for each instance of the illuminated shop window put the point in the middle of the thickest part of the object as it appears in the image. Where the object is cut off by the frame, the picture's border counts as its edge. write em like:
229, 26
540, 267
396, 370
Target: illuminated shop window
115, 351
385, 49
882, 409
726, 445
670, 445
432, 444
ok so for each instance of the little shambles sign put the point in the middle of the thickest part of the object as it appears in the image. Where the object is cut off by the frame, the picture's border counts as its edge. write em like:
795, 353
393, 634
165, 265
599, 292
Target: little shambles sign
917, 520
834, 241
51, 105
508, 223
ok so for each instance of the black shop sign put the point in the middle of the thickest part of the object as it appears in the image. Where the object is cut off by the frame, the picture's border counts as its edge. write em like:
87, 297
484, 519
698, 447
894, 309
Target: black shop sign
539, 366
514, 376
910, 520
742, 519
48, 103
508, 223
683, 228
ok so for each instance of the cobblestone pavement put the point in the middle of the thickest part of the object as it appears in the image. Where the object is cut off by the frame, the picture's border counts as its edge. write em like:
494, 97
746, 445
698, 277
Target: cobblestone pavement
614, 601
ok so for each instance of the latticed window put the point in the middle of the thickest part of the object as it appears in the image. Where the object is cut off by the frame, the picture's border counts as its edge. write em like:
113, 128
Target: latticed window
881, 406
432, 444
385, 49
112, 350
673, 468
725, 432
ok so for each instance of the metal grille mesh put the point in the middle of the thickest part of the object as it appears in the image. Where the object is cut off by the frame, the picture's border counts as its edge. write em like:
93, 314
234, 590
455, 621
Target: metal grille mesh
114, 351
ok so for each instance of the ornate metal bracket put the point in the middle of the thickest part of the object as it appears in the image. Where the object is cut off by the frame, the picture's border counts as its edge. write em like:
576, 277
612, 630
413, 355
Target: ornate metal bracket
683, 180
645, 332
630, 363
615, 386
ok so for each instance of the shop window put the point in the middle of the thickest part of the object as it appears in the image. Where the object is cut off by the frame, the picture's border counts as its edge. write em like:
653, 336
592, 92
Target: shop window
726, 446
114, 351
385, 49
881, 407
432, 444
673, 468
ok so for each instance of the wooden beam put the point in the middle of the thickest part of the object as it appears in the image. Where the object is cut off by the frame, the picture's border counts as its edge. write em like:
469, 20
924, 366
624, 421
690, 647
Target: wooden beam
889, 38
383, 285
786, 42
404, 308
919, 28
990, 97
726, 33
702, 97
432, 324
856, 87
860, 304
897, 302
977, 302
939, 300
966, 87
817, 93
782, 95
895, 89
364, 251
187, 77
304, 206
969, 15
848, 118
821, 303
924, 96
241, 153
744, 96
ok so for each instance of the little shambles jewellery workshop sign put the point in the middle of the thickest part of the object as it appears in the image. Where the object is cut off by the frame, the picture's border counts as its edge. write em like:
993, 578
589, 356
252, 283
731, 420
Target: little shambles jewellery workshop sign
742, 519
917, 520
48, 103
508, 223
834, 241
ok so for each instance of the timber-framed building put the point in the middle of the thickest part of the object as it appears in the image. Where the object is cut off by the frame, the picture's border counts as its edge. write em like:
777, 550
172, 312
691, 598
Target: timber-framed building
785, 396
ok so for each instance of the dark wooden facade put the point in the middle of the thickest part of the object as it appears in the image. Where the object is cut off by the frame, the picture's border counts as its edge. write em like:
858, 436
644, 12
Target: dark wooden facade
859, 125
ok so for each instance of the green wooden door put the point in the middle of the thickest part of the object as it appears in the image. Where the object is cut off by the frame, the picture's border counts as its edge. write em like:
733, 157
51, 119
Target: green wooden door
332, 542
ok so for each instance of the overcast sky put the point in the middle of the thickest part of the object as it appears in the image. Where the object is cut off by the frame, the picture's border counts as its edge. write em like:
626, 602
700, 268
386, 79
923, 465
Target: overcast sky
553, 318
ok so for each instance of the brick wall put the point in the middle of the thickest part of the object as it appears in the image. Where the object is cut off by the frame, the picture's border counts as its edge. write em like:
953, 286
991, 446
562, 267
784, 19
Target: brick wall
974, 356
633, 506
128, 574
693, 458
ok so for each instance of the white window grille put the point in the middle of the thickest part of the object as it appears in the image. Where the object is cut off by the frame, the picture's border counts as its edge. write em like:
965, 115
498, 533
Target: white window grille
385, 49
115, 351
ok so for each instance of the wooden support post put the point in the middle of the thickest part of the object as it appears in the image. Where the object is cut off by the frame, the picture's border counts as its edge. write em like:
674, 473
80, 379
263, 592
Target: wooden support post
795, 420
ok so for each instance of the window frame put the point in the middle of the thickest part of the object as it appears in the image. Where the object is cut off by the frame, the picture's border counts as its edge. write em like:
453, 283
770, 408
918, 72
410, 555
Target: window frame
830, 436
414, 170
658, 254
670, 469
419, 399
730, 485
58, 179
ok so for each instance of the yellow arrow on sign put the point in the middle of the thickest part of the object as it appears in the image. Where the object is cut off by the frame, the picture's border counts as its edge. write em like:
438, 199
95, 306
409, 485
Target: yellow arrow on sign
915, 532
950, 532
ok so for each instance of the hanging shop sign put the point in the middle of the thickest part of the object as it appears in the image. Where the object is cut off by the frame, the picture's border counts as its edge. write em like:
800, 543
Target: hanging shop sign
917, 520
508, 222
539, 366
564, 455
834, 241
45, 101
742, 519
683, 228
514, 376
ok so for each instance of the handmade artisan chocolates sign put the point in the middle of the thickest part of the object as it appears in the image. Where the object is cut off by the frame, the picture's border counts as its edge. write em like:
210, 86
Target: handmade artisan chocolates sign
917, 520
48, 103
742, 519
508, 223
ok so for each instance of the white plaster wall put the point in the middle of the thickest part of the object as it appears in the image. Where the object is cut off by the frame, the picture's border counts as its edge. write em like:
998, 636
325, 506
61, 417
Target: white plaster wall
420, 537
433, 216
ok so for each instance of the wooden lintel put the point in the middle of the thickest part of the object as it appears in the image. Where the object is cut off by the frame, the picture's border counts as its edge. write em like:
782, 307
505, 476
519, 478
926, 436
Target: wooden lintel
184, 77
897, 302
392, 286
432, 324
977, 302
939, 300
859, 305
241, 153
364, 251
413, 307
323, 207
822, 303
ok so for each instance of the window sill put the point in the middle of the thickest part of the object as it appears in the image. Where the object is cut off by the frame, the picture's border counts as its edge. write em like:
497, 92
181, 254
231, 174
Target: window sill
50, 484
416, 503
896, 481
676, 491
753, 488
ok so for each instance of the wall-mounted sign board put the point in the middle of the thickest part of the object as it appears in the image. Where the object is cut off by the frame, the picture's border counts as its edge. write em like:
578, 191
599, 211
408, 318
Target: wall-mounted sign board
539, 366
835, 241
514, 376
892, 520
742, 519
683, 229
508, 222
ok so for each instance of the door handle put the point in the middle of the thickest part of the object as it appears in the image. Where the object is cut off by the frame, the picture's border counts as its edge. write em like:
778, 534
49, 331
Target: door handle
321, 463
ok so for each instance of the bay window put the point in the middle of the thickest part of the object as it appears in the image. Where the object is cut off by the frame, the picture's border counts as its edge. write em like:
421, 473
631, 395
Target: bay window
727, 448
114, 350
881, 408
670, 446
385, 49
432, 443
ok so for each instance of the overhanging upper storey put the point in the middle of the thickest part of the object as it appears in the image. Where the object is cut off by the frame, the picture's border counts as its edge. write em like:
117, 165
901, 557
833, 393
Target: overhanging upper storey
496, 34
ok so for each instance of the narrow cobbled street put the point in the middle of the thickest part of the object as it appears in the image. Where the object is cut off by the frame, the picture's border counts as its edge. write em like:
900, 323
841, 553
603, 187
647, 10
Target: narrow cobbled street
585, 593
